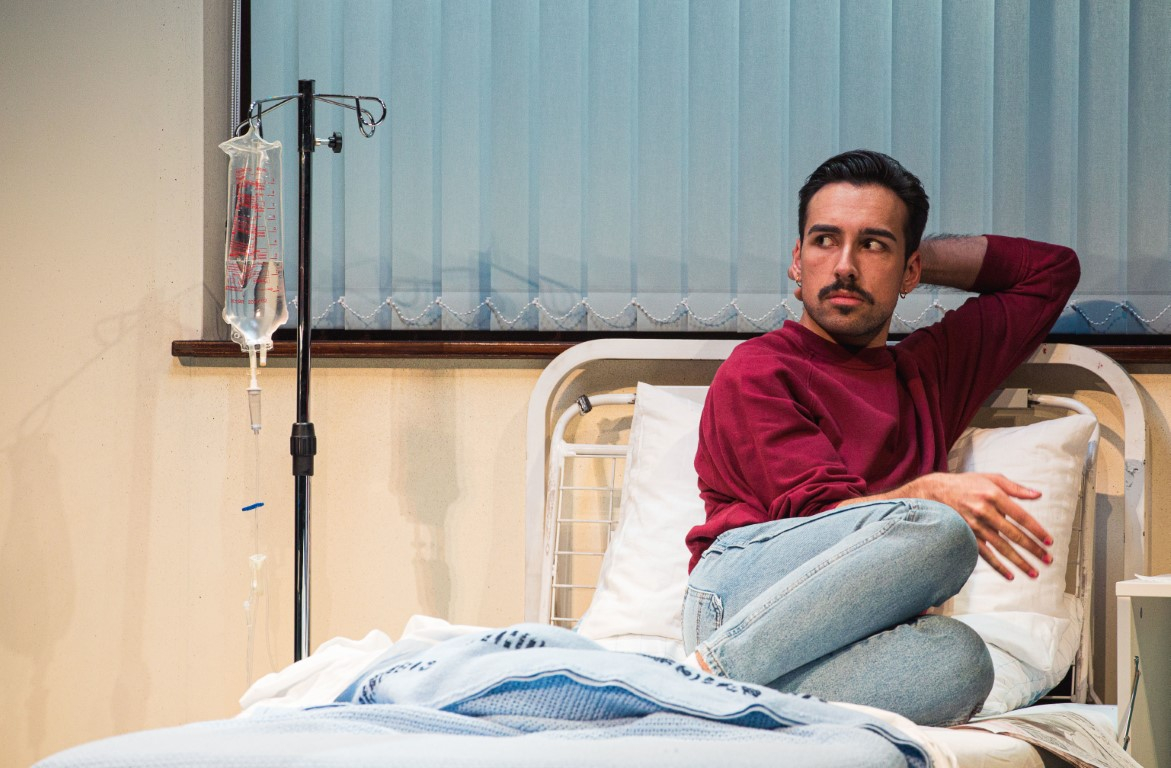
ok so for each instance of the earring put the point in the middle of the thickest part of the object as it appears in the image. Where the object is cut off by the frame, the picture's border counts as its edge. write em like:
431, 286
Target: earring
902, 294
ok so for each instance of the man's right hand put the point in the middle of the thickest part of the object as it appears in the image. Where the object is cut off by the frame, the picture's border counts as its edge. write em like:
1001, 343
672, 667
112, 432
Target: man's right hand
987, 502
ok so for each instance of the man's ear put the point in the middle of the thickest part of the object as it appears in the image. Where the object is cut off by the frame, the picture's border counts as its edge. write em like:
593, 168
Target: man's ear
795, 268
911, 273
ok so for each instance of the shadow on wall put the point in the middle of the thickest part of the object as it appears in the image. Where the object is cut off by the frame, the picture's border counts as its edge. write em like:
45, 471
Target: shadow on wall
424, 477
36, 563
151, 321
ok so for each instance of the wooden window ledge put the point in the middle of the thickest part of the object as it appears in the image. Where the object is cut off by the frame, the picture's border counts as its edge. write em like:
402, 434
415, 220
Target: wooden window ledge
1122, 349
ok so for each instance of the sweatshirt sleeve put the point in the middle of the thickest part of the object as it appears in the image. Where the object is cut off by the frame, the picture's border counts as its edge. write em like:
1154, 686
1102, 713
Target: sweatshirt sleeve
1023, 286
762, 456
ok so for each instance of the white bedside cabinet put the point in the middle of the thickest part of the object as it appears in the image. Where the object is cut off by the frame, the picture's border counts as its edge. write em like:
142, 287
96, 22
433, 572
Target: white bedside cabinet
1144, 630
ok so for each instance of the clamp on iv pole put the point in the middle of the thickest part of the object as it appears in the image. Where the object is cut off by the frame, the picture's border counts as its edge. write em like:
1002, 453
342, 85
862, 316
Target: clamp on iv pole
303, 441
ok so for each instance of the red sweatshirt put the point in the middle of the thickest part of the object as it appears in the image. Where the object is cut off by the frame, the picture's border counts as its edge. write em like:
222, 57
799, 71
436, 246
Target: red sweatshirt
795, 424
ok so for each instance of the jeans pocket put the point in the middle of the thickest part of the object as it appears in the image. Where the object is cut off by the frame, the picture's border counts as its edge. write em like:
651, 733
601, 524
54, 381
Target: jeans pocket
703, 613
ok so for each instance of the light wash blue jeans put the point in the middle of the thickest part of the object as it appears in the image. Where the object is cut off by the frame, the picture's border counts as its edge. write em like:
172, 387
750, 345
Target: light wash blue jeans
831, 605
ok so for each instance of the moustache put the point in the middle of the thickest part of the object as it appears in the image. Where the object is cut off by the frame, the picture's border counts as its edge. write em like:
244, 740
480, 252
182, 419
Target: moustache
840, 287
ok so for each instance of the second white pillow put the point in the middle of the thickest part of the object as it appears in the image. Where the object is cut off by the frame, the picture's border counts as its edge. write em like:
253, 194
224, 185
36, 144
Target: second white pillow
644, 572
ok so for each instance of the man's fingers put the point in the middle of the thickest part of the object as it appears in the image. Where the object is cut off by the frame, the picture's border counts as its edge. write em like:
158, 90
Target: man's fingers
992, 547
992, 560
992, 541
1016, 517
1011, 526
1014, 489
1004, 531
1006, 549
1000, 493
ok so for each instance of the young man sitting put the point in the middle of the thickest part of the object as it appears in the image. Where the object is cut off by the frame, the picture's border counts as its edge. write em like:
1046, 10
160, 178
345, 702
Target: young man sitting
832, 522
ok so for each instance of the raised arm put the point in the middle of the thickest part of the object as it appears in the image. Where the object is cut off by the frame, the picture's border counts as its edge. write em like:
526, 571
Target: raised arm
952, 261
1024, 285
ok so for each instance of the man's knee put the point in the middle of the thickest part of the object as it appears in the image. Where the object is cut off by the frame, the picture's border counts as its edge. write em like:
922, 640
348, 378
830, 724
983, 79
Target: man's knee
950, 538
963, 672
972, 674
955, 676
934, 670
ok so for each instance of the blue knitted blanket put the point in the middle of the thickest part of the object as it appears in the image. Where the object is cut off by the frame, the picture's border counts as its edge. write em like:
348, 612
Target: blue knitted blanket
528, 695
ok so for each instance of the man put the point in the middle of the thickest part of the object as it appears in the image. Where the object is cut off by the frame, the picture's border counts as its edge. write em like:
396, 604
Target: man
832, 523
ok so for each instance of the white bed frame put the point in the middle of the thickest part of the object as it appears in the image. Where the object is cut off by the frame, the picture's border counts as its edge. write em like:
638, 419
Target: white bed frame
620, 363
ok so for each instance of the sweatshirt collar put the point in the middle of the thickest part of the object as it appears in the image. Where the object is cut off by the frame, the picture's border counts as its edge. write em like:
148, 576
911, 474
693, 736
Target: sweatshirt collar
831, 352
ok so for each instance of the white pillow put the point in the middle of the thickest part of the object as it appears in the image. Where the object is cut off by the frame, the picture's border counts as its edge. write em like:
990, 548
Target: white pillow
1031, 625
1049, 457
1030, 652
639, 600
1033, 635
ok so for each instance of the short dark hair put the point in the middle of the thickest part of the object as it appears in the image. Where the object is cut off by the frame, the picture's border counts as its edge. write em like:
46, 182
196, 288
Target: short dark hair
864, 166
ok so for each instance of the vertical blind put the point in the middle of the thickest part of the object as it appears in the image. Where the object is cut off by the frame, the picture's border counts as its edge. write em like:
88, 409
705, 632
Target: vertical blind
632, 165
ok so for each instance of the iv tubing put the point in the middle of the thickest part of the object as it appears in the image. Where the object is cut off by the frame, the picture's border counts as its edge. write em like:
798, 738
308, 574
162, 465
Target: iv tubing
256, 560
256, 568
254, 399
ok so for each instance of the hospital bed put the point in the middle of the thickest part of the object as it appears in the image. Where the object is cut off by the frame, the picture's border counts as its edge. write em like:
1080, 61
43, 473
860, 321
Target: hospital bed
608, 420
583, 475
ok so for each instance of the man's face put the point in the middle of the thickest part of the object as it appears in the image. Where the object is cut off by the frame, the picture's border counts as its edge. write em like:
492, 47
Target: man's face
851, 264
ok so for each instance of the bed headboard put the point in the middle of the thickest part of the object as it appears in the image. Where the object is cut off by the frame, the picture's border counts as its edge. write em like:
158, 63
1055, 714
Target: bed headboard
618, 364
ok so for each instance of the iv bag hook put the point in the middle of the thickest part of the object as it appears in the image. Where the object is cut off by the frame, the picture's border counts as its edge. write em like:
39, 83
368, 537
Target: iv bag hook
367, 122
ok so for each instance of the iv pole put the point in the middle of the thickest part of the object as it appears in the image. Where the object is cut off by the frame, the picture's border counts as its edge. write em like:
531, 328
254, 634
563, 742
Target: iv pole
303, 441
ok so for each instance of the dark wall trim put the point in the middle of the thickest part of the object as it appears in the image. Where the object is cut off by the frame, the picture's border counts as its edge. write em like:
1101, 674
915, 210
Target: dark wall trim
1122, 351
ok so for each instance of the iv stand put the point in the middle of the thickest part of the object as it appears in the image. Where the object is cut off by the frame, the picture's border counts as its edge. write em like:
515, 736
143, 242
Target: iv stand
303, 441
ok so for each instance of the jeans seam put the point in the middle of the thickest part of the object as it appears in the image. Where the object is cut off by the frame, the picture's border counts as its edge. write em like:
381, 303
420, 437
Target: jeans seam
748, 621
703, 598
712, 662
727, 545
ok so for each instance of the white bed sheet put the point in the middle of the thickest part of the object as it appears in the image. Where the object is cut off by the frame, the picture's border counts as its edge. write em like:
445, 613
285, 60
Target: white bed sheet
980, 749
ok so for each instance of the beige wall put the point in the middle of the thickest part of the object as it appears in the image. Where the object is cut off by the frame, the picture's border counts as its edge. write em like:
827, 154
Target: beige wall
123, 551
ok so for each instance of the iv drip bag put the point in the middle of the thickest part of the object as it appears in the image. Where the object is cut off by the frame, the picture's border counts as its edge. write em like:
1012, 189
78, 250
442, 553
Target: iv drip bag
254, 269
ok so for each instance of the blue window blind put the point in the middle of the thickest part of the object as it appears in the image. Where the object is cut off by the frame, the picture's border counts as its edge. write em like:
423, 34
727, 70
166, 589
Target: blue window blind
623, 165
